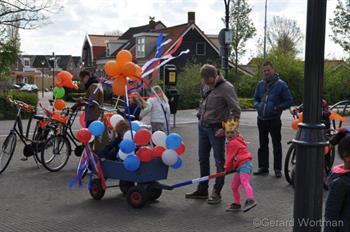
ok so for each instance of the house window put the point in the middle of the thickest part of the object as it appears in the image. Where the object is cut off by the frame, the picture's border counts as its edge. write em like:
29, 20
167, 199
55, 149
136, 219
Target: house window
140, 47
107, 51
26, 62
200, 49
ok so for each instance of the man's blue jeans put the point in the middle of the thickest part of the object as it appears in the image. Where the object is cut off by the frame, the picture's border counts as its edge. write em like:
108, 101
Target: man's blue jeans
207, 141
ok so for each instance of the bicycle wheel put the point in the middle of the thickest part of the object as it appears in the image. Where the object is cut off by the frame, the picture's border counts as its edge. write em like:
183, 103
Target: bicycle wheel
40, 138
289, 163
55, 153
7, 150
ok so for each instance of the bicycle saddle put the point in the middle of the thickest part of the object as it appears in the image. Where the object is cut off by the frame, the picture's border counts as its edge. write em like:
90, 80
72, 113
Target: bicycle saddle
39, 117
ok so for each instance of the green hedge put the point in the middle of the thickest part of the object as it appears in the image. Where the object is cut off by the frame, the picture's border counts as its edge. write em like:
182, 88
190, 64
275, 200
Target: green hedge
7, 111
246, 103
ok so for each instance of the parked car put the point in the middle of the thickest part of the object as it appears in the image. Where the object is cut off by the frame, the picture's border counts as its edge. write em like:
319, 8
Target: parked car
29, 88
19, 85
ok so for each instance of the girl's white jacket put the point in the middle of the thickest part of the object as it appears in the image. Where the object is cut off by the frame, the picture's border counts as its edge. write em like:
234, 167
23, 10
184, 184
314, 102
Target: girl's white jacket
154, 105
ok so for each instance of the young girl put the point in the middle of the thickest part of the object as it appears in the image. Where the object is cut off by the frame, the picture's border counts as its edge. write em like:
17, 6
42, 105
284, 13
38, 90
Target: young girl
159, 108
238, 157
111, 149
136, 105
337, 213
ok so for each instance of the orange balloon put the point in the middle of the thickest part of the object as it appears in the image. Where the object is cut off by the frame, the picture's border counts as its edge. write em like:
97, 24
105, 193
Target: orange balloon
124, 56
59, 104
129, 69
64, 79
111, 68
300, 117
119, 86
295, 124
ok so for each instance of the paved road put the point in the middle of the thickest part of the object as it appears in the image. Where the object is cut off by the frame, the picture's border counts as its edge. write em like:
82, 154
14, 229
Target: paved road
34, 200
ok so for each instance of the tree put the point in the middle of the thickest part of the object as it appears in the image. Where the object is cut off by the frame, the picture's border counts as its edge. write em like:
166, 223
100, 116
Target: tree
242, 28
341, 24
26, 14
284, 36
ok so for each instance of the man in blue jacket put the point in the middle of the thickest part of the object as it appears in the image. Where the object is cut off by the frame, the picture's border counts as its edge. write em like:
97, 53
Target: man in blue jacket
271, 97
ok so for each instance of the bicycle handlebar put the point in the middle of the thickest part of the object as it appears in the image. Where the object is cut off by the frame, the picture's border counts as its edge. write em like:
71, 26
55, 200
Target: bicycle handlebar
24, 106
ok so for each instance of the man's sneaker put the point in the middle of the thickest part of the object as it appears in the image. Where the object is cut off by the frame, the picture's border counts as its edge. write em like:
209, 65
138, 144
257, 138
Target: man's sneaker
215, 198
278, 173
234, 208
261, 171
249, 204
198, 194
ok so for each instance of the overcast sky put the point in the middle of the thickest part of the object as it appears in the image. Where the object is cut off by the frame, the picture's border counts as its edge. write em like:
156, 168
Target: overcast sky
65, 34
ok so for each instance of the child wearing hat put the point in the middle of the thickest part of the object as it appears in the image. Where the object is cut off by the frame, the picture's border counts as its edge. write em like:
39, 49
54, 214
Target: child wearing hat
239, 158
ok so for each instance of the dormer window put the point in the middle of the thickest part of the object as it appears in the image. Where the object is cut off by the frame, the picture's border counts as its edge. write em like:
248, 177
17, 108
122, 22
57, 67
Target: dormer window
140, 47
26, 62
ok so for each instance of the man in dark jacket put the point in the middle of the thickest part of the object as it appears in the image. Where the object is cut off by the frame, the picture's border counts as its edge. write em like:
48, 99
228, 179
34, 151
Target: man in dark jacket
219, 104
272, 96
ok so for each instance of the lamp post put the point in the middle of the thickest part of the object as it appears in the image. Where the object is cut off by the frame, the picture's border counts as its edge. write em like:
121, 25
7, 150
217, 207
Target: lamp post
265, 31
42, 78
226, 50
310, 138
53, 62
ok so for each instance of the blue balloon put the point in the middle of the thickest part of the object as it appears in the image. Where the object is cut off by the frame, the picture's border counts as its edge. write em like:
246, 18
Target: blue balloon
96, 128
132, 163
173, 141
135, 126
178, 163
127, 146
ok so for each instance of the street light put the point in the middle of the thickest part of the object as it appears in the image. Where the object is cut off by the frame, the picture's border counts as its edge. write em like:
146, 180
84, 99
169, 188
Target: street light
310, 138
53, 62
265, 32
42, 78
226, 48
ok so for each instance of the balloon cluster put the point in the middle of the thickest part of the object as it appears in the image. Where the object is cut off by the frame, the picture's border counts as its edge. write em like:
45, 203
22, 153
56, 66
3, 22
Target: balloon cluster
167, 147
121, 69
63, 79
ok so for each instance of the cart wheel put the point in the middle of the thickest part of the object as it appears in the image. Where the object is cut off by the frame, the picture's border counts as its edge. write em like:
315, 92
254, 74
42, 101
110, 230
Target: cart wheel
137, 196
96, 190
154, 193
125, 186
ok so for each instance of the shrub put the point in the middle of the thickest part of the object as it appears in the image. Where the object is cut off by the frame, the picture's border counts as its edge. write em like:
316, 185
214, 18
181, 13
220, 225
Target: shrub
189, 87
246, 103
7, 111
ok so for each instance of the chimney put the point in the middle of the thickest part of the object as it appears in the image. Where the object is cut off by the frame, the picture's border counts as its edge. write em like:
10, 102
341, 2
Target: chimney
152, 23
191, 17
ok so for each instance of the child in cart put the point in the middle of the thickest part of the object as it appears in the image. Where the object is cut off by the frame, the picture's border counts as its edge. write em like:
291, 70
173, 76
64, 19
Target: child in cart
238, 157
111, 149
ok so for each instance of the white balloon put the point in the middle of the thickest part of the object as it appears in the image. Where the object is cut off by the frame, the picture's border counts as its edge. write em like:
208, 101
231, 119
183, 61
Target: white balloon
158, 138
123, 155
115, 119
169, 157
127, 134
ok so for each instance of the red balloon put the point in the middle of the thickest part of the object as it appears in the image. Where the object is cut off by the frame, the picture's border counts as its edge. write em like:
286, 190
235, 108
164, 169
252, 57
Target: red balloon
142, 137
84, 135
158, 151
180, 150
145, 154
82, 120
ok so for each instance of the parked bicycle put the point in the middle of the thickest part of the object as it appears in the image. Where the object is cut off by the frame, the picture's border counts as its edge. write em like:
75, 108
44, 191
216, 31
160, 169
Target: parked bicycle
33, 145
57, 148
328, 151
